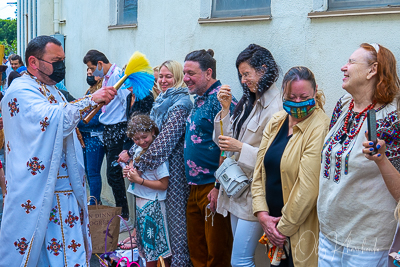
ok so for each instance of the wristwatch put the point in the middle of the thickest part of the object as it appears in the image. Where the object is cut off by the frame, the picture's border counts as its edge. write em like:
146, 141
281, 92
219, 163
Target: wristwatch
217, 185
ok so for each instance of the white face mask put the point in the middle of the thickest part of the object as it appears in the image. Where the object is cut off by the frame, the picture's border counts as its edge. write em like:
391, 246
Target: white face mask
97, 72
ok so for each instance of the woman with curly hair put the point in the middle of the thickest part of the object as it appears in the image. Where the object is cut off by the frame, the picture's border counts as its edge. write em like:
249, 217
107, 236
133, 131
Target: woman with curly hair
242, 133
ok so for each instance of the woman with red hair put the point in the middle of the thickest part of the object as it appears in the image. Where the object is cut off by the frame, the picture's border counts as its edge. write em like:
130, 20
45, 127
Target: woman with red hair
355, 204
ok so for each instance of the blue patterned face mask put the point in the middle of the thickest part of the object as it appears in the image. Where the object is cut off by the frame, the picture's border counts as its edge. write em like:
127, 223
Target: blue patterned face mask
299, 110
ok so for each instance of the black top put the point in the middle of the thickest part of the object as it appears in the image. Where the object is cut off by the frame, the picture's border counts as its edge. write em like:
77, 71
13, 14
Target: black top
272, 164
142, 106
67, 95
13, 75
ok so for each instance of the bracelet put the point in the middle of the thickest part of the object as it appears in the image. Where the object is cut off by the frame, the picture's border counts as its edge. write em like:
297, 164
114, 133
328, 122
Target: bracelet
142, 182
217, 185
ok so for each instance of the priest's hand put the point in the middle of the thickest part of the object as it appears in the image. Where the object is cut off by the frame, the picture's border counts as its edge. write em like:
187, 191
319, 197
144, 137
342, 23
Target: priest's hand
104, 95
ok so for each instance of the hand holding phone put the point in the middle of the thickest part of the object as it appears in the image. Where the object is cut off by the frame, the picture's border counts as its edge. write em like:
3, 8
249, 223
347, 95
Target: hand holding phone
372, 136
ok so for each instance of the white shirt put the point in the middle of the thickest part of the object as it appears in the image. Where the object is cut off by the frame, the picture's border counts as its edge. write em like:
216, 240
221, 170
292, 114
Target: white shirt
355, 208
114, 112
154, 175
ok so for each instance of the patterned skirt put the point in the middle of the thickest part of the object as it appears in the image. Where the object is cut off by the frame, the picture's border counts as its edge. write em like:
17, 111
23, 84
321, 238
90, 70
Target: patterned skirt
176, 202
152, 229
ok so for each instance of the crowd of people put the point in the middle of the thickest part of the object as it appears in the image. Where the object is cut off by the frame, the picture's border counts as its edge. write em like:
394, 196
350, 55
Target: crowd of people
211, 176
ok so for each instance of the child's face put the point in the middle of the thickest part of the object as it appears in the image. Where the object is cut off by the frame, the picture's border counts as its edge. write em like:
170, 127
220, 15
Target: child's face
143, 139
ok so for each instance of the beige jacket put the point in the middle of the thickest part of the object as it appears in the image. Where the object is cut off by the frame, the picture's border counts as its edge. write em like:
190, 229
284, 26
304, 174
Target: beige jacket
300, 166
250, 135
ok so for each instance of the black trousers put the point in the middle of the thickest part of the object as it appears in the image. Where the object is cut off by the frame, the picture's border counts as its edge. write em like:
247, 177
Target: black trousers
289, 260
114, 136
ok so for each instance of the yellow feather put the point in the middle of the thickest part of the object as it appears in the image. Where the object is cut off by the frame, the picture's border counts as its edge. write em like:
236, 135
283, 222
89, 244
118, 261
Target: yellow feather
138, 63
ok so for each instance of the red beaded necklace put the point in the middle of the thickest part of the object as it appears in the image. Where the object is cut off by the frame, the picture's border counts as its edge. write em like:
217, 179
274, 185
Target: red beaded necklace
346, 121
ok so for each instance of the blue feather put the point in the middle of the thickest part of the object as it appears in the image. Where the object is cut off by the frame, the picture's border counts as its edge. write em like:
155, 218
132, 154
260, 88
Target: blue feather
141, 82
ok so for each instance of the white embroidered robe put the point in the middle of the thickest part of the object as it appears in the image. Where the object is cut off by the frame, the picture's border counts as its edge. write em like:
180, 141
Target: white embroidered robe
45, 218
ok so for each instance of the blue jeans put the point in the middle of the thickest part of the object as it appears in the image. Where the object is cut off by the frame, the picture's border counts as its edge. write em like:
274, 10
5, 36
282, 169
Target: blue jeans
331, 254
93, 156
245, 239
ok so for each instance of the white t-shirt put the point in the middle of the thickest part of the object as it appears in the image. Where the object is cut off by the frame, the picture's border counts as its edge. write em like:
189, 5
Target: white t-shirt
114, 112
154, 175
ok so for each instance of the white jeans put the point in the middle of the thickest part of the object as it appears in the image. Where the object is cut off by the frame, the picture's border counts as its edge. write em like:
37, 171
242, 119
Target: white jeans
333, 255
245, 239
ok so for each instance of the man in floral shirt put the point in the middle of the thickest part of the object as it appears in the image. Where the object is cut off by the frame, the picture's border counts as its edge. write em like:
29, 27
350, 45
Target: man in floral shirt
210, 241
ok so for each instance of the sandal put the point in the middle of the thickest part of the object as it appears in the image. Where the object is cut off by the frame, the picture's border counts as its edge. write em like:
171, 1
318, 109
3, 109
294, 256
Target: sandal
126, 241
128, 246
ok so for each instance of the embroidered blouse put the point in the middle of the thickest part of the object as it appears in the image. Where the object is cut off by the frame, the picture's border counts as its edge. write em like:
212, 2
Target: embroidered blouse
355, 208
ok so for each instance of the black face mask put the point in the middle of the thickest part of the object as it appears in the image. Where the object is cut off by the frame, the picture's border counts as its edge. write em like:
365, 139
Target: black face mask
90, 80
58, 71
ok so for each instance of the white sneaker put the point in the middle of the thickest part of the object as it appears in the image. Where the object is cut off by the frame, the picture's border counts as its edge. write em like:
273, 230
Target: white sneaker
123, 227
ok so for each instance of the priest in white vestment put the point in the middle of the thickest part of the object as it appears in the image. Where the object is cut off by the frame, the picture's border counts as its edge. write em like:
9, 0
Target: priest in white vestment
45, 218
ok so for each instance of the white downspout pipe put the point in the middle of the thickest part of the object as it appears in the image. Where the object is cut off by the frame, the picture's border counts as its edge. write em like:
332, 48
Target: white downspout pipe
26, 23
19, 37
56, 20
29, 20
34, 18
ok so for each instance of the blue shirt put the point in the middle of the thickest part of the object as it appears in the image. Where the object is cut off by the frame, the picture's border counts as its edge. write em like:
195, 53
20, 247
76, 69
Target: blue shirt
201, 153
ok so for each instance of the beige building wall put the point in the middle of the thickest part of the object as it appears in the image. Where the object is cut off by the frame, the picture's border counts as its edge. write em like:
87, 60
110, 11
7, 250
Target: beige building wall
170, 29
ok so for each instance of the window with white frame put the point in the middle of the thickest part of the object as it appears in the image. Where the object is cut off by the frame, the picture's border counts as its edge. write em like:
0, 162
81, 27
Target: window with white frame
240, 8
127, 12
360, 4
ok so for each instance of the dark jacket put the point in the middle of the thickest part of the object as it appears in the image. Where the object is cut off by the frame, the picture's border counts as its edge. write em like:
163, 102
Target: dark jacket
139, 107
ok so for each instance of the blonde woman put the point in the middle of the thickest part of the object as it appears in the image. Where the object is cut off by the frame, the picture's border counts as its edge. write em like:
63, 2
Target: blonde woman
170, 112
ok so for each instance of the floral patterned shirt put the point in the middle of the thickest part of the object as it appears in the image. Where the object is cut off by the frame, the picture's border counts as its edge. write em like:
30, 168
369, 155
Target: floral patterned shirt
201, 153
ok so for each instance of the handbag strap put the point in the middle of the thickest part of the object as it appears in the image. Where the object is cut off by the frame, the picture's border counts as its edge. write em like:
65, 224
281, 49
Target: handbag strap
160, 262
95, 201
228, 154
105, 247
